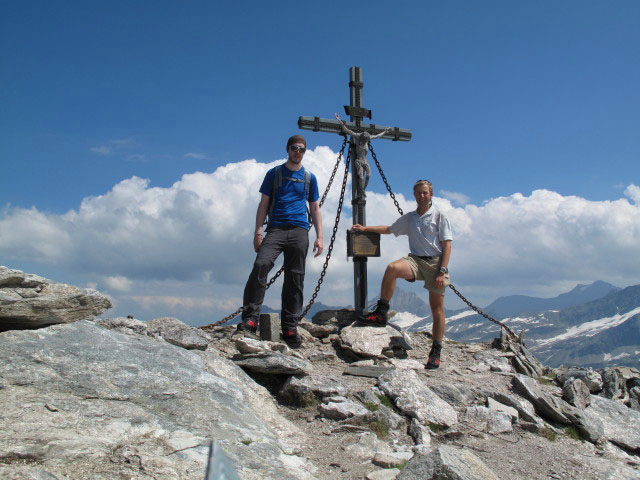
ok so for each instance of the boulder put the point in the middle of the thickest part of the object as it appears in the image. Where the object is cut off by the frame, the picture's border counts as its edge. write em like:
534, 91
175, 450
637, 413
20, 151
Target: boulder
274, 363
178, 333
499, 407
455, 394
341, 410
546, 405
28, 301
295, 389
576, 393
495, 361
371, 342
83, 401
421, 434
613, 384
621, 424
415, 399
591, 378
251, 345
492, 421
448, 463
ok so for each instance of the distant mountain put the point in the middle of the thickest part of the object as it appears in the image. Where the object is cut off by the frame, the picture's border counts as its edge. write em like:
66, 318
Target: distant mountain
518, 304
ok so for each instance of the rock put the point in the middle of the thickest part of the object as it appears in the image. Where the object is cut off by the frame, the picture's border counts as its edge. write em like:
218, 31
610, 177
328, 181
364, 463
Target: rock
524, 407
455, 394
28, 301
634, 393
421, 435
499, 407
274, 363
339, 318
387, 460
370, 341
388, 474
592, 379
415, 399
269, 327
367, 446
343, 410
319, 331
296, 389
448, 463
546, 406
495, 362
251, 345
28, 473
591, 428
126, 404
178, 333
488, 420
124, 325
387, 417
613, 385
576, 393
407, 363
621, 424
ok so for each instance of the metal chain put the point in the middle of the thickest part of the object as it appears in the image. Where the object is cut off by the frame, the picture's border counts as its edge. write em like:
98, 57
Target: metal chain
457, 292
279, 272
384, 179
333, 237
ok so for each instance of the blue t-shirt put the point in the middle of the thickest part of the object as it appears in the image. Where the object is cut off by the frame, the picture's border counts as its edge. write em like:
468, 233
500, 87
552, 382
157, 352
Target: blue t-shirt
290, 207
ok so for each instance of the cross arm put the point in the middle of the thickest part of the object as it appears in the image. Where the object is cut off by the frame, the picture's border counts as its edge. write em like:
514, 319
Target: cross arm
318, 124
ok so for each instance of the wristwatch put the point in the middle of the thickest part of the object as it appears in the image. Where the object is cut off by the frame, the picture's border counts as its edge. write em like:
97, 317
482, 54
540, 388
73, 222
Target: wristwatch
444, 270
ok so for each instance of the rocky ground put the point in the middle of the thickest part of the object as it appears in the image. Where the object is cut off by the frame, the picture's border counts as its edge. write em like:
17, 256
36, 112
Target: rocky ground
118, 398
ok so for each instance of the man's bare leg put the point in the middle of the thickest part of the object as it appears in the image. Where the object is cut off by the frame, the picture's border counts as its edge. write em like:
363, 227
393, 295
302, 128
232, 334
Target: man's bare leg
398, 269
436, 302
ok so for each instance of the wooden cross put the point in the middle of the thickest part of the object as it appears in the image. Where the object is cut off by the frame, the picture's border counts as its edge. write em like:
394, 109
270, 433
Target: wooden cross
357, 113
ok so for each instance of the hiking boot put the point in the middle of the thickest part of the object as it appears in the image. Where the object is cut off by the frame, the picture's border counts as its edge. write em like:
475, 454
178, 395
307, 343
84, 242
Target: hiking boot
375, 319
247, 329
434, 356
292, 338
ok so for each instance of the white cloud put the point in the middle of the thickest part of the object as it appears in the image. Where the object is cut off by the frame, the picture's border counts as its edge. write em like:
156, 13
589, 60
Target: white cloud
196, 156
189, 245
456, 197
102, 150
111, 146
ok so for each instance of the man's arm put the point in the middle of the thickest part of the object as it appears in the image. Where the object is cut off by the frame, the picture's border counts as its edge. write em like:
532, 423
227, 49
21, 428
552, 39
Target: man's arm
444, 262
384, 132
344, 127
383, 229
316, 218
261, 214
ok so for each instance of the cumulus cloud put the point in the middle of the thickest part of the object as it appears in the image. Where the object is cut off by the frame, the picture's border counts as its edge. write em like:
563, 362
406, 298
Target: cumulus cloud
456, 197
188, 246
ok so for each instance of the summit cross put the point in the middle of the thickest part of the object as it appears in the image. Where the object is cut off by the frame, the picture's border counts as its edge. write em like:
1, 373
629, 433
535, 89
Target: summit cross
357, 113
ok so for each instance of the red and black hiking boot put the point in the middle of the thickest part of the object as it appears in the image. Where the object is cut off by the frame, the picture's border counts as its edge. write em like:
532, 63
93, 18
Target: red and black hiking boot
292, 338
434, 356
248, 328
375, 319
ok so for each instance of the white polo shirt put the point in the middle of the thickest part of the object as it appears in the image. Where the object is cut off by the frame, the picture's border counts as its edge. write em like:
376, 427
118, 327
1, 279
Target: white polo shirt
426, 232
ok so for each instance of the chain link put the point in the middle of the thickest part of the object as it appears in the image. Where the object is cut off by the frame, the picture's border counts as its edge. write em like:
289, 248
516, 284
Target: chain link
384, 179
333, 237
279, 272
457, 292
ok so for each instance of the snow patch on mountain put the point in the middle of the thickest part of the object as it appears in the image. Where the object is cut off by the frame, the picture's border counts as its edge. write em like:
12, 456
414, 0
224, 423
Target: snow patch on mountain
405, 319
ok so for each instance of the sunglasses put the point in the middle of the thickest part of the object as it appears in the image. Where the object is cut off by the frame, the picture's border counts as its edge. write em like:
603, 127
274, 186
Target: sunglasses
296, 148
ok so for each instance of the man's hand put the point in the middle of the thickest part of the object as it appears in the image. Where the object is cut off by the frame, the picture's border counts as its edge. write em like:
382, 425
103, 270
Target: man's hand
358, 228
257, 241
318, 247
440, 280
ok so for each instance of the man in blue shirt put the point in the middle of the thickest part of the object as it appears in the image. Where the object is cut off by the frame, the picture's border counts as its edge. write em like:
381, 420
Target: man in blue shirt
286, 189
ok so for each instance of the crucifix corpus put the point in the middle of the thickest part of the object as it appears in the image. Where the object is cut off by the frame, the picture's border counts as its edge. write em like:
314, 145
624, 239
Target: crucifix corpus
361, 134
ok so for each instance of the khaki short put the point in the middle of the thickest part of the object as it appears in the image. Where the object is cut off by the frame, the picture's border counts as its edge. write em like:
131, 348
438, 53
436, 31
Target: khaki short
427, 270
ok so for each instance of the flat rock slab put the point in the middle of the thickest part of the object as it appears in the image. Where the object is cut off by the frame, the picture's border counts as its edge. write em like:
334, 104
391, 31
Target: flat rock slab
319, 385
343, 410
621, 424
83, 401
274, 363
179, 333
370, 342
546, 406
28, 301
415, 399
448, 463
367, 371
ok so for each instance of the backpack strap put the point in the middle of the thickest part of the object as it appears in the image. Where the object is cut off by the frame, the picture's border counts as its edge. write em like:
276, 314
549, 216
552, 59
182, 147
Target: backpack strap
277, 183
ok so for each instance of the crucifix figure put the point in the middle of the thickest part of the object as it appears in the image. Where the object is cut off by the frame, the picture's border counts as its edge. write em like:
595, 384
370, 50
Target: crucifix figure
363, 169
361, 134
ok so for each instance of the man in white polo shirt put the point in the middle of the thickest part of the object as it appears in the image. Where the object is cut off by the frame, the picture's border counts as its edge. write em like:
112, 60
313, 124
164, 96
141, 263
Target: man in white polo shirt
430, 239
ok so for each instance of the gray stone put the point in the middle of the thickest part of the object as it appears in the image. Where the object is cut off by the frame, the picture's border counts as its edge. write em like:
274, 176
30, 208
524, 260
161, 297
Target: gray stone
387, 417
415, 399
621, 424
590, 427
339, 318
492, 421
370, 341
121, 403
495, 361
575, 392
524, 407
387, 474
406, 363
387, 460
592, 379
25, 472
269, 327
251, 345
455, 394
499, 407
321, 386
124, 325
634, 394
28, 301
319, 331
421, 434
367, 446
274, 363
447, 463
546, 406
343, 410
178, 333
613, 385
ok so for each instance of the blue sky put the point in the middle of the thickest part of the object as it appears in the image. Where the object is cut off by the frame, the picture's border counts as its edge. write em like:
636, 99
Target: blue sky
502, 97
